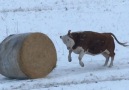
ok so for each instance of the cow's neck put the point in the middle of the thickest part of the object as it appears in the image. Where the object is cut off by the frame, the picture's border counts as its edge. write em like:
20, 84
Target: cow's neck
75, 37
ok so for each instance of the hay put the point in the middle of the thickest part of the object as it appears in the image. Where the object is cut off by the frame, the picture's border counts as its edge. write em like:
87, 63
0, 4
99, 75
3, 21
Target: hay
37, 55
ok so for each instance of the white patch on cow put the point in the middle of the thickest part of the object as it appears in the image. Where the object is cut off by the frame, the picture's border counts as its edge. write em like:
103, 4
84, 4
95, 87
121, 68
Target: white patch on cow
78, 50
106, 51
69, 42
87, 52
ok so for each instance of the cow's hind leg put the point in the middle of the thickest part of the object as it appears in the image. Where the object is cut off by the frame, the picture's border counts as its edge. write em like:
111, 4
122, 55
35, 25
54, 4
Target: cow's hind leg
80, 59
112, 59
107, 58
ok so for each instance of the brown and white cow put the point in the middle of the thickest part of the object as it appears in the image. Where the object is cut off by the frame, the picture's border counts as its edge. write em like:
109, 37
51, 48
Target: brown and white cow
93, 43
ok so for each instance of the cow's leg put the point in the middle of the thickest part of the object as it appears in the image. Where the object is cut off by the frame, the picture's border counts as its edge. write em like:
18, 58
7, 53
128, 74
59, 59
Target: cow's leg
106, 62
107, 58
80, 58
69, 56
112, 59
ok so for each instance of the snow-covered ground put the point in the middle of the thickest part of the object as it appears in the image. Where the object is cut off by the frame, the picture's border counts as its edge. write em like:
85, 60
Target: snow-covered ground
55, 18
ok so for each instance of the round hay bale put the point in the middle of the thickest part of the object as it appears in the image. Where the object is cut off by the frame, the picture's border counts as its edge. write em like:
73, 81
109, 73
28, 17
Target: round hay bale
28, 55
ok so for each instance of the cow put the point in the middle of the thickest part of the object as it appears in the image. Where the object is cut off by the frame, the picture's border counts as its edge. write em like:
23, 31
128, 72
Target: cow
93, 43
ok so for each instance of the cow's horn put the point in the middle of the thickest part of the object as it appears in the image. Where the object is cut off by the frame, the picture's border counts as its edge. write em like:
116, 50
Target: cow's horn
69, 32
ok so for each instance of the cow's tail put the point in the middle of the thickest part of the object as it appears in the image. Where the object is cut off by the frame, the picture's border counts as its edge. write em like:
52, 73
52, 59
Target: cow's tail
123, 44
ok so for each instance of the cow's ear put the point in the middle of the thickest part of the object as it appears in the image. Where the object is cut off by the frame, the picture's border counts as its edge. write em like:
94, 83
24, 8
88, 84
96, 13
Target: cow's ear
69, 32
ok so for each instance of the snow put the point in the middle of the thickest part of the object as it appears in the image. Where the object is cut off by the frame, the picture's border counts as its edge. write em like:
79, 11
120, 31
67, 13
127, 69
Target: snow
55, 18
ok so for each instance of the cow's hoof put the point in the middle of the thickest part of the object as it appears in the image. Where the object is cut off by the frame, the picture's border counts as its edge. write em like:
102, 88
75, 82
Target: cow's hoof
110, 66
81, 64
69, 59
105, 65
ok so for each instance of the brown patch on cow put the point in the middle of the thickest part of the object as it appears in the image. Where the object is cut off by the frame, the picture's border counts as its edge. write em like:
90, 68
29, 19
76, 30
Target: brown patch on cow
94, 42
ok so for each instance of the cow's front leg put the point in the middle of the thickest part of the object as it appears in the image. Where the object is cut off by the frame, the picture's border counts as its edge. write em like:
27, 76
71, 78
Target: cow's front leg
69, 56
80, 58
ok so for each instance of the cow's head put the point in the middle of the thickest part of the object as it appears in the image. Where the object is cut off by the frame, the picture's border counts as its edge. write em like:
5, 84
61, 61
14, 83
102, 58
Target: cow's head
67, 40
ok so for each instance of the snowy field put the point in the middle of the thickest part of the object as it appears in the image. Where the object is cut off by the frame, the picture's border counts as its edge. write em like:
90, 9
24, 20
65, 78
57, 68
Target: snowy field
55, 18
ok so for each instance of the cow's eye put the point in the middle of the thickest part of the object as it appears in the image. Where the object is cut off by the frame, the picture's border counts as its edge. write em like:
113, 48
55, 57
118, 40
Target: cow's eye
68, 39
